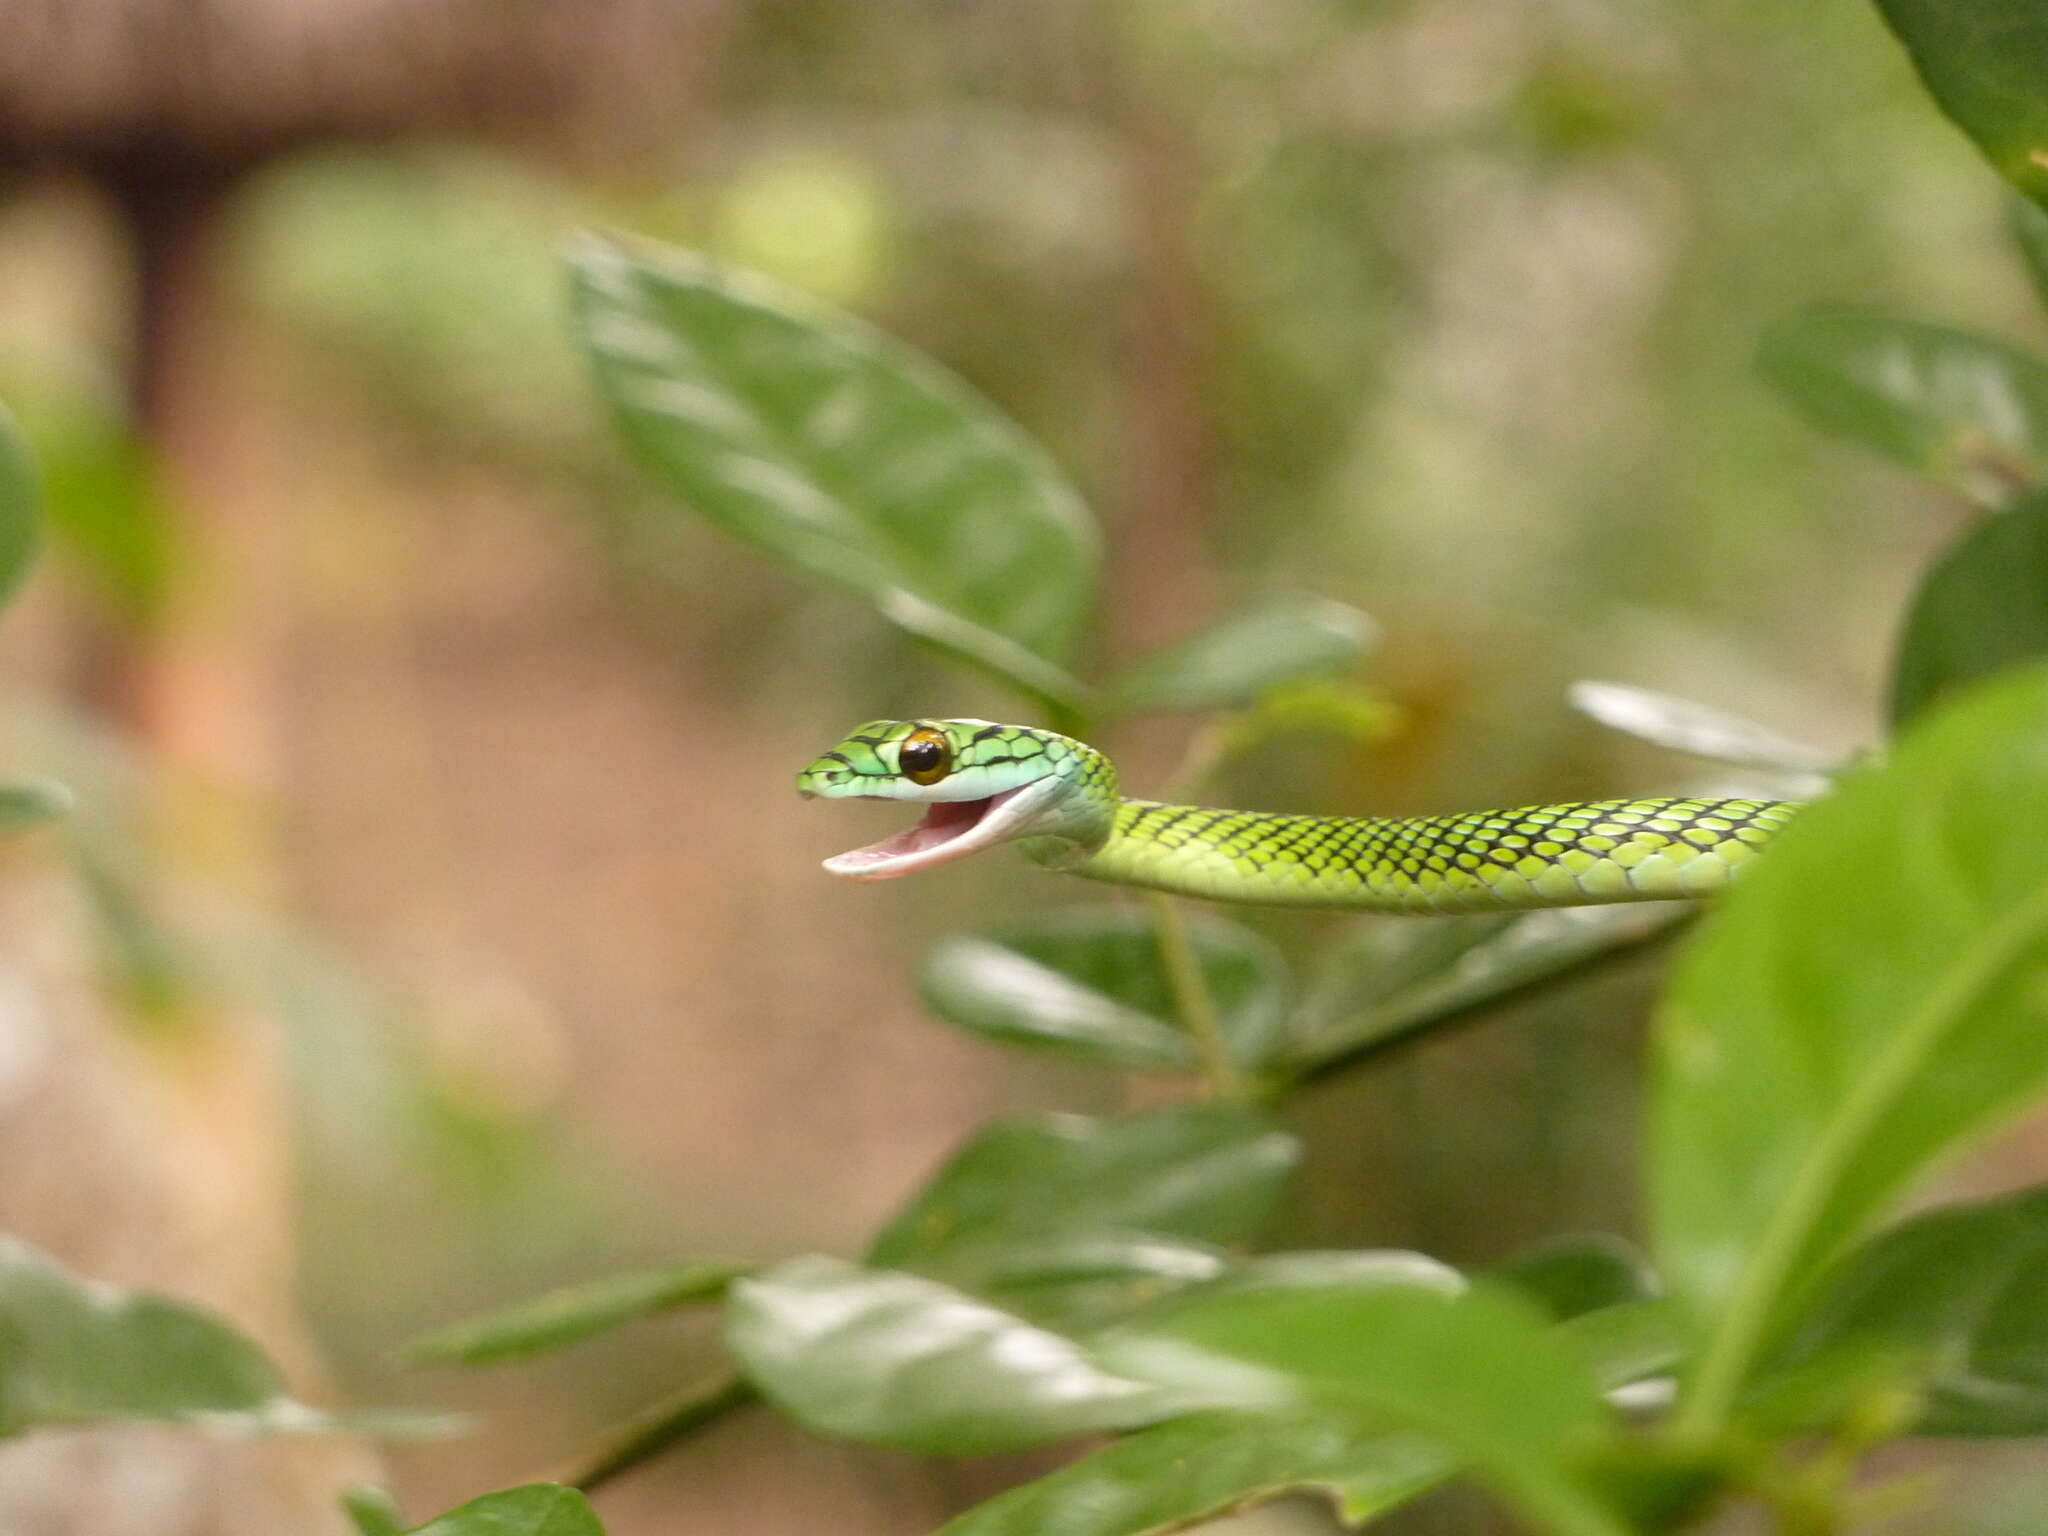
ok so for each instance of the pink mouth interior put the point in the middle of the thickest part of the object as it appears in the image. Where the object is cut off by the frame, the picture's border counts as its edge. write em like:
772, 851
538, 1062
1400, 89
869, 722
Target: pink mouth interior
945, 832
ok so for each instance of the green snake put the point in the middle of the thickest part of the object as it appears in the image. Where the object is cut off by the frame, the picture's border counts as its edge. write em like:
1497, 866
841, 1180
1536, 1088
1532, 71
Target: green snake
983, 784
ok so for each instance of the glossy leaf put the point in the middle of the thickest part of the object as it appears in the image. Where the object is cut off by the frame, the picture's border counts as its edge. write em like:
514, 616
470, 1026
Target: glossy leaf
1317, 1269
20, 508
1088, 982
1237, 660
896, 1359
1961, 408
75, 1351
1955, 1302
1680, 725
1572, 1276
1982, 61
1480, 1373
1982, 606
847, 456
1868, 998
576, 1312
1393, 979
1208, 1172
1081, 1282
538, 1509
1165, 1478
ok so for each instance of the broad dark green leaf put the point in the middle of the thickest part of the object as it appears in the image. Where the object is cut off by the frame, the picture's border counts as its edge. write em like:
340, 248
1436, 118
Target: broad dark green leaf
538, 1509
1981, 607
1964, 409
1986, 63
845, 455
895, 1359
75, 1351
1955, 1303
1205, 1464
1571, 1276
576, 1312
20, 508
1480, 1373
1680, 725
1874, 993
1242, 657
32, 803
1393, 978
1088, 982
1209, 1172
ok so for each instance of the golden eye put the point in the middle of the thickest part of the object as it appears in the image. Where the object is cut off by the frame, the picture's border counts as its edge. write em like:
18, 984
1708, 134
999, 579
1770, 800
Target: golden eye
925, 756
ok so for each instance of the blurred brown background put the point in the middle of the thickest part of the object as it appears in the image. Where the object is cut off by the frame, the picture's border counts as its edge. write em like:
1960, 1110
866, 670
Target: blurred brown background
452, 927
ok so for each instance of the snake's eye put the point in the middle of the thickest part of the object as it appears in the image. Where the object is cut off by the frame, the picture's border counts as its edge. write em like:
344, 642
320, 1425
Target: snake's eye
925, 756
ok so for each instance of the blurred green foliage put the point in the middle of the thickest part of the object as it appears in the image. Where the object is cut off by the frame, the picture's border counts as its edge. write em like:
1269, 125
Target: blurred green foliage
1438, 310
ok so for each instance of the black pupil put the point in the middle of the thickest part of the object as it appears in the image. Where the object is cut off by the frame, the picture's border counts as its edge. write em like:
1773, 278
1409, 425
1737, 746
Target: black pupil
921, 756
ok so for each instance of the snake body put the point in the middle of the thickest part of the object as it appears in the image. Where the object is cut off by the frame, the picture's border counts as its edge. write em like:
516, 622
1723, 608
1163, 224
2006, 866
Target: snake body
986, 783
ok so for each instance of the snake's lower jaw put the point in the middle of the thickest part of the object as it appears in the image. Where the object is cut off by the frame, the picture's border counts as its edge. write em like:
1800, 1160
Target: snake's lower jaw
950, 830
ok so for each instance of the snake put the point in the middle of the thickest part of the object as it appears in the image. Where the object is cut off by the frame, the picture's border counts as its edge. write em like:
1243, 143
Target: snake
983, 783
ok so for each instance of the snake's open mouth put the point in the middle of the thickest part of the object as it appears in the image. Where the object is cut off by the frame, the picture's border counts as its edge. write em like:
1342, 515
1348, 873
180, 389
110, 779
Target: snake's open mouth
951, 829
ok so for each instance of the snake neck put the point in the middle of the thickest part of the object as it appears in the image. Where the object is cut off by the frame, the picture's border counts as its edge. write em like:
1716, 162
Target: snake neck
1537, 856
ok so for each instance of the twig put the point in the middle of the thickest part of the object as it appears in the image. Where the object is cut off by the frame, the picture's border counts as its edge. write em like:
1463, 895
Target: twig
660, 1427
1191, 999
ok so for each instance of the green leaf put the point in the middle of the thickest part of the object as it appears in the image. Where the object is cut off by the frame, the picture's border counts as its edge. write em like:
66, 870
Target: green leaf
1080, 1283
1205, 1464
1237, 660
1392, 979
1572, 1276
1629, 1342
20, 507
538, 1509
1210, 1172
75, 1351
1963, 409
1088, 982
2030, 233
1480, 1373
1955, 1303
847, 456
372, 1511
576, 1312
1319, 1269
32, 803
895, 1359
1981, 607
1986, 63
1869, 997
1680, 725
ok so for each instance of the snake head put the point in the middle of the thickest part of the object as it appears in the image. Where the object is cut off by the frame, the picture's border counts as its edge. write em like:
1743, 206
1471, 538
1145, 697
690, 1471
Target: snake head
980, 784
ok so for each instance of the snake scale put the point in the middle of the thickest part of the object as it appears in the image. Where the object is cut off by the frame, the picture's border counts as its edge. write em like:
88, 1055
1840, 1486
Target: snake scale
982, 783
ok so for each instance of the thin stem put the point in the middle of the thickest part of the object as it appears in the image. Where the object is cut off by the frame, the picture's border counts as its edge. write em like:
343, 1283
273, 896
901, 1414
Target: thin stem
660, 1427
1191, 999
1207, 752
